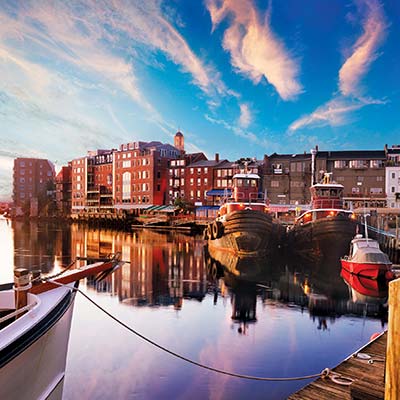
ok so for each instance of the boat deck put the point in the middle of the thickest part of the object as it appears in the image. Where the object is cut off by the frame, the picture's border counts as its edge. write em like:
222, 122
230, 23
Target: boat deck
368, 377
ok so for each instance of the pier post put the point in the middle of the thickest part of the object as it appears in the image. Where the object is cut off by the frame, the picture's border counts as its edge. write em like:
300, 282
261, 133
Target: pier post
392, 373
22, 284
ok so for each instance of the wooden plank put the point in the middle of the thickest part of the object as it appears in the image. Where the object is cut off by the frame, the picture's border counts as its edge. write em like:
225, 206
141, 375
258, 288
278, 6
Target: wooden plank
367, 376
392, 384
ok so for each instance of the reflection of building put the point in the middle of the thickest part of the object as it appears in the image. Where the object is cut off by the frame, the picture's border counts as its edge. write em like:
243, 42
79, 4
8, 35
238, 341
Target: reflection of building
158, 270
38, 241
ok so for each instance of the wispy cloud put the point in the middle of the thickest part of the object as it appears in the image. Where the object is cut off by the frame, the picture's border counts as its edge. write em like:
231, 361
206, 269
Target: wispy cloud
250, 136
364, 50
256, 51
333, 113
338, 111
245, 115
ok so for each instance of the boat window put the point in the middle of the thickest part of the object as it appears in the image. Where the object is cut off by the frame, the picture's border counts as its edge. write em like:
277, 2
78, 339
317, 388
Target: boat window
253, 183
239, 182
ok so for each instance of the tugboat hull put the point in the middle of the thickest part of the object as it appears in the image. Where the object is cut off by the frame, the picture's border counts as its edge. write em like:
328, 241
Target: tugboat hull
245, 233
324, 240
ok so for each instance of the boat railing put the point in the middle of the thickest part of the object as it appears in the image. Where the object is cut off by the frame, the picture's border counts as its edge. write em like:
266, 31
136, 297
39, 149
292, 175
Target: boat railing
327, 203
253, 197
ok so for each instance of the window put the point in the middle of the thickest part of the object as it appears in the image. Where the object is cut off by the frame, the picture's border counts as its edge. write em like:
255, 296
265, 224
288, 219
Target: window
393, 175
340, 178
205, 181
376, 191
198, 194
274, 183
392, 189
360, 178
22, 163
198, 171
379, 178
358, 164
205, 170
182, 181
355, 190
126, 186
191, 181
78, 186
198, 181
158, 187
340, 164
126, 164
376, 163
22, 180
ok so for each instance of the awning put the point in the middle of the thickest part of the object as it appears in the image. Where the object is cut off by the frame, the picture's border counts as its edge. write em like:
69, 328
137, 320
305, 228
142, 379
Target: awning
219, 192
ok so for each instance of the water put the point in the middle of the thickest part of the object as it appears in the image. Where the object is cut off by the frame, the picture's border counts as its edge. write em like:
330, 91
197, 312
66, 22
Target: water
291, 320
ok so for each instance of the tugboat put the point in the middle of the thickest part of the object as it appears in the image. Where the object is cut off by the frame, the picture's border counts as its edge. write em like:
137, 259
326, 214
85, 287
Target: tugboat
323, 233
244, 225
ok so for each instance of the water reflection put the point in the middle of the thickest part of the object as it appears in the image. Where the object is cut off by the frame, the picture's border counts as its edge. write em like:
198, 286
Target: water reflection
267, 317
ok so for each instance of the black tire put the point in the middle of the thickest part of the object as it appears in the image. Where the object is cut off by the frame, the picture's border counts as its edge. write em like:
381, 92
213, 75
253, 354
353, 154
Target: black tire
217, 229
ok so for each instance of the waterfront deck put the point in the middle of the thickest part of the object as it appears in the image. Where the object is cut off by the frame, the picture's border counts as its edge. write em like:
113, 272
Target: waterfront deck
368, 377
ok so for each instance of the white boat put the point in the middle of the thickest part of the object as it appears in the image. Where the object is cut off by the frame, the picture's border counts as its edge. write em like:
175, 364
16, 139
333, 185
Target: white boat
33, 347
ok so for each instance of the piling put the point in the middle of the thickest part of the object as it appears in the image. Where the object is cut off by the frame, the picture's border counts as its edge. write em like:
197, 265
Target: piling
22, 284
392, 372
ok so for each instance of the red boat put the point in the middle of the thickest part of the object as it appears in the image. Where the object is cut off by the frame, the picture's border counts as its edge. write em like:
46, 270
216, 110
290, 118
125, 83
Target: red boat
367, 260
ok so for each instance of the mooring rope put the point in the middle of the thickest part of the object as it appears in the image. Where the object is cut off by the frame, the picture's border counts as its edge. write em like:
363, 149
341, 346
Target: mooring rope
326, 373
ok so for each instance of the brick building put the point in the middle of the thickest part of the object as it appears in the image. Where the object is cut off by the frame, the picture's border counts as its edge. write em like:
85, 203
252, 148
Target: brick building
33, 179
64, 190
140, 172
177, 175
362, 173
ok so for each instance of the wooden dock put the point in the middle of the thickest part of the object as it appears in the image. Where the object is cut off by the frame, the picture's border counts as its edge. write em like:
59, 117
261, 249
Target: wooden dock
369, 383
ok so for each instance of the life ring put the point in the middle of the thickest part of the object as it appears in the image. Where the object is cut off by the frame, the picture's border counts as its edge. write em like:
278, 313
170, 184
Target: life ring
217, 229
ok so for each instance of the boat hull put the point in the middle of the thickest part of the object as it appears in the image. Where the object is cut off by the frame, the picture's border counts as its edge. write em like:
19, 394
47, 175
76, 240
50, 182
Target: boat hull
33, 366
367, 270
246, 233
324, 240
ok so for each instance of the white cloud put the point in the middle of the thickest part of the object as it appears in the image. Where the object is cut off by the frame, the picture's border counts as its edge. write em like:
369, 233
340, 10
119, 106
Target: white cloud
364, 50
333, 113
255, 49
245, 115
338, 111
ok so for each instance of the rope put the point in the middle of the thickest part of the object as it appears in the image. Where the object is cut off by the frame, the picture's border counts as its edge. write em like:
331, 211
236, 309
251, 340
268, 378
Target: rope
17, 312
326, 373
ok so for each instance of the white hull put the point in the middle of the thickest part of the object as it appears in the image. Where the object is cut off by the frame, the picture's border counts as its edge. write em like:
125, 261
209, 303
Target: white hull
38, 371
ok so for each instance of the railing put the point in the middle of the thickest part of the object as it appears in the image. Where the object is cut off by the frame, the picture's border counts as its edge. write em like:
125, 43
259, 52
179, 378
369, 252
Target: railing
253, 197
327, 203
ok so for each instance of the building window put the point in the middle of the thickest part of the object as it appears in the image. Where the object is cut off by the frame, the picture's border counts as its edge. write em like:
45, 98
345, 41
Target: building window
360, 178
191, 181
158, 187
191, 171
376, 191
340, 178
198, 194
379, 178
392, 189
126, 164
358, 164
340, 164
126, 186
393, 175
198, 181
355, 190
376, 163
205, 170
205, 181
274, 183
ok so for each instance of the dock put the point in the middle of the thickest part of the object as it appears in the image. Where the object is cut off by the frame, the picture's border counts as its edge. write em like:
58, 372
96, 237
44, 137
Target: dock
369, 381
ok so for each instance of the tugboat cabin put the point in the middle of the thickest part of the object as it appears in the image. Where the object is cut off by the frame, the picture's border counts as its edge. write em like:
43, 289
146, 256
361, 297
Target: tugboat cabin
245, 195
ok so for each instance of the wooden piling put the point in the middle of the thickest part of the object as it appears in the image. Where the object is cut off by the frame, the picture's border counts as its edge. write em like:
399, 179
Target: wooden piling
21, 287
392, 376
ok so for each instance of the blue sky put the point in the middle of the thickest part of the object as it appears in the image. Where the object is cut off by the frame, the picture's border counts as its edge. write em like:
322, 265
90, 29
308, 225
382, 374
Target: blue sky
238, 77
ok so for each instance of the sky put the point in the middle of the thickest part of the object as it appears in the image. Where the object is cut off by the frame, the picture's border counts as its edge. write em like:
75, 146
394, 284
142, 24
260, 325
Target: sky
242, 78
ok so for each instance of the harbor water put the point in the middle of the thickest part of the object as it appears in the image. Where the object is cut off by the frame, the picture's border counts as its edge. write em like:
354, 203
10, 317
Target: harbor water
286, 319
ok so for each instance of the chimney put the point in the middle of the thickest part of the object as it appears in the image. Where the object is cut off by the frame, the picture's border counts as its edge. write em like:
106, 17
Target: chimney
216, 157
313, 155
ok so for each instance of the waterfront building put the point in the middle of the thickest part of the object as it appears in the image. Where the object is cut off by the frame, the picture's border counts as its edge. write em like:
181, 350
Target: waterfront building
140, 172
392, 182
33, 181
92, 181
177, 176
362, 173
64, 190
